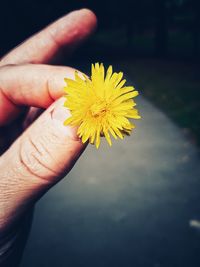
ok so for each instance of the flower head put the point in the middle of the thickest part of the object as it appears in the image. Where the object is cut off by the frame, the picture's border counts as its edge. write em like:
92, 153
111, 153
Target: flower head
101, 105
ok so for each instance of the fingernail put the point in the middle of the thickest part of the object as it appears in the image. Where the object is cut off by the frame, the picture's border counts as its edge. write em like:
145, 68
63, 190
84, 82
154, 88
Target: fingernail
59, 114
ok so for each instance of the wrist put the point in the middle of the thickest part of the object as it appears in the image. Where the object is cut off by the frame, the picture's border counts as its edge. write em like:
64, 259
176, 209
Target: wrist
13, 241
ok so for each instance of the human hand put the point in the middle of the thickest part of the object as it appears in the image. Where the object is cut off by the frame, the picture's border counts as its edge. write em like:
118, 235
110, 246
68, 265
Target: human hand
38, 156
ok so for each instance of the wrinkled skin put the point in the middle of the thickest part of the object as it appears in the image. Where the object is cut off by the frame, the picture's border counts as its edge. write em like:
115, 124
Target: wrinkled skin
36, 152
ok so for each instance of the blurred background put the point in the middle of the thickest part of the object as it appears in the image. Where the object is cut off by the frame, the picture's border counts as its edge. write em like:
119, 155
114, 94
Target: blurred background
138, 203
158, 42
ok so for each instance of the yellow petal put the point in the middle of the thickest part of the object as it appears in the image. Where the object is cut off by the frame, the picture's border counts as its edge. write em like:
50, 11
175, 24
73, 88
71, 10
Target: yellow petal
100, 105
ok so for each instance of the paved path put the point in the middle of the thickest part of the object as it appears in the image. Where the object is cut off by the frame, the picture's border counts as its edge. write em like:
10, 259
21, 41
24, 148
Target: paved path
134, 205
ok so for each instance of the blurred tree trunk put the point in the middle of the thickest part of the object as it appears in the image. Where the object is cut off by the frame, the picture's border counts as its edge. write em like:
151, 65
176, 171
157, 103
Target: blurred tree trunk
130, 9
196, 28
161, 29
129, 32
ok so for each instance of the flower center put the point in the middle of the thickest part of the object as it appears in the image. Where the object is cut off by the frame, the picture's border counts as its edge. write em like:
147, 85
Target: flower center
99, 108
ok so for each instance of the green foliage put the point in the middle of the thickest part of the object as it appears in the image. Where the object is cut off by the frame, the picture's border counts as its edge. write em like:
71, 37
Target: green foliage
173, 87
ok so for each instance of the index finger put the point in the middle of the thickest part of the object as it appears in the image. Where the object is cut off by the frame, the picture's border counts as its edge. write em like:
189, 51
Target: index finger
30, 85
67, 31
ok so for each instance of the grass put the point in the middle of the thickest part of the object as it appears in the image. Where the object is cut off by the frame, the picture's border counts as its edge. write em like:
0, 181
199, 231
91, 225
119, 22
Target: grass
172, 86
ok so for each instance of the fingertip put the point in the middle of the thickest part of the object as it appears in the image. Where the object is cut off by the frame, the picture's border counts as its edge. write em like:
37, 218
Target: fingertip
59, 114
91, 15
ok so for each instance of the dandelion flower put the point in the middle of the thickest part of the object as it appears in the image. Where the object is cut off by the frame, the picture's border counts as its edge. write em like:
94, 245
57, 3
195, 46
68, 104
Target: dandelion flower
100, 105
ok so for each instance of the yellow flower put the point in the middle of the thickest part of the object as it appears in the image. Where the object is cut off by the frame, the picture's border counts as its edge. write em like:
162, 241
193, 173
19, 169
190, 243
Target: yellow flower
100, 106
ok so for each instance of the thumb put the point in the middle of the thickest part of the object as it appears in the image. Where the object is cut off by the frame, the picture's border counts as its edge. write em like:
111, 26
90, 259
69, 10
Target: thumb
37, 160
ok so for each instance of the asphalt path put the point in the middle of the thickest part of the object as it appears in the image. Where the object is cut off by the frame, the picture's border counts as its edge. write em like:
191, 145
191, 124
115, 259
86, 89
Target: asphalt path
136, 204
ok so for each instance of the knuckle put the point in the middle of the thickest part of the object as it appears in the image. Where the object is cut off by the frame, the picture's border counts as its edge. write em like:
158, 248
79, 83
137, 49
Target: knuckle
36, 159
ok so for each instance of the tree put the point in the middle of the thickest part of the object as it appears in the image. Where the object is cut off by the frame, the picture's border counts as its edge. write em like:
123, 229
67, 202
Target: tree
161, 28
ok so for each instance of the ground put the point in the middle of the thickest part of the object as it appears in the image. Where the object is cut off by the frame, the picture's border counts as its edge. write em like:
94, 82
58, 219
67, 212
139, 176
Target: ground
135, 204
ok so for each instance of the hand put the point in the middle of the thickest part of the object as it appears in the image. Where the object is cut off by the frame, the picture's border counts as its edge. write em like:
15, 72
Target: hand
38, 157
